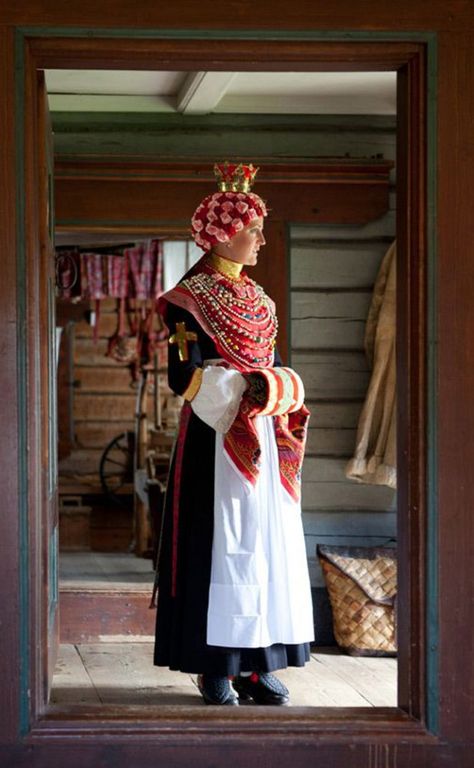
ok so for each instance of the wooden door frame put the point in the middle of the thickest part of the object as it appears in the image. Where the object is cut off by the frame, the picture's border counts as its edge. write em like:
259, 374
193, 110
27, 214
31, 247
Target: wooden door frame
414, 720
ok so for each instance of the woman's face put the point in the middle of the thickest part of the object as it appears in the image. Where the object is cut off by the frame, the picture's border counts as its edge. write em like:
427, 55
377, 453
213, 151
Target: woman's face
244, 246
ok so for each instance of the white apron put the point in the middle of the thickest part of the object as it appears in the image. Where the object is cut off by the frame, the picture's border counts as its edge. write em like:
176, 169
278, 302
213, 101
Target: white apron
260, 591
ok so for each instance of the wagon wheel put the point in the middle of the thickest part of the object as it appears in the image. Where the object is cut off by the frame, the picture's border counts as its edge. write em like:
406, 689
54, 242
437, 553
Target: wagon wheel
116, 466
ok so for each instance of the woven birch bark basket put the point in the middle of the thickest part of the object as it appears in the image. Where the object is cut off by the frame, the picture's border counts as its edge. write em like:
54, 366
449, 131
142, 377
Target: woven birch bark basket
362, 587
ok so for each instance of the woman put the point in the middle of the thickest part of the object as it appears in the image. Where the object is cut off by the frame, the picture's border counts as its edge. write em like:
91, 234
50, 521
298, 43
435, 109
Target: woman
234, 593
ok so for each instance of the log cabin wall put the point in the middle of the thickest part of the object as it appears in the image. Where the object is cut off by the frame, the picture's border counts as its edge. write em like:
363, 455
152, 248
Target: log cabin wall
97, 404
102, 406
103, 401
332, 273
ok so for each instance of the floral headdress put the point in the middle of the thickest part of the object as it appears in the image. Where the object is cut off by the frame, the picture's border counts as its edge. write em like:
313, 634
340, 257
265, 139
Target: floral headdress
220, 216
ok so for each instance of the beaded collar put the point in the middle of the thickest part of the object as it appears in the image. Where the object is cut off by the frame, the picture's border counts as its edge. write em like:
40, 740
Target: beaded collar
237, 314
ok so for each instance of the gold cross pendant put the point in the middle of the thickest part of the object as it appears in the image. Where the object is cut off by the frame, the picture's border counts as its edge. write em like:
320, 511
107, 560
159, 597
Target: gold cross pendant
181, 338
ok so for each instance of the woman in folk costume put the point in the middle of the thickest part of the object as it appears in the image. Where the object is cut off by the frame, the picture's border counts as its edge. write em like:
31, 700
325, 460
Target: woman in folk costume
234, 593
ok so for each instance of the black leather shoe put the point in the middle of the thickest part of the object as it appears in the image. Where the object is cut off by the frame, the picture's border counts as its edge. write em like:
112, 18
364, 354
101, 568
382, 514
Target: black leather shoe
263, 688
217, 690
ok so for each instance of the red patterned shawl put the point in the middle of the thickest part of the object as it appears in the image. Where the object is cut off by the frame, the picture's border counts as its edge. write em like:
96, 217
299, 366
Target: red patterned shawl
284, 403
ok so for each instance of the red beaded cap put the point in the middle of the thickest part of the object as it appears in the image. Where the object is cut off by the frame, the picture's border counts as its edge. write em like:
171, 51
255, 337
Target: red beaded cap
220, 216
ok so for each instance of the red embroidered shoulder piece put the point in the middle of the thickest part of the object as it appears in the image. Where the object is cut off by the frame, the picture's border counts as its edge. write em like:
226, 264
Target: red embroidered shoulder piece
236, 313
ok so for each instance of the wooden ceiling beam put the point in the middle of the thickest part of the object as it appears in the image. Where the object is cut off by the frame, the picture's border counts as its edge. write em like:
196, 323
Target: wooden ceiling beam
202, 92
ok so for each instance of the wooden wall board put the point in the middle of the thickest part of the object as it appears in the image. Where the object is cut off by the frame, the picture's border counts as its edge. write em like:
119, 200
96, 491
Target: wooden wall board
211, 751
65, 393
333, 333
81, 462
329, 470
86, 202
329, 320
334, 414
321, 494
86, 616
13, 588
332, 374
455, 382
100, 433
379, 229
330, 442
112, 527
86, 353
105, 122
101, 407
331, 277
321, 304
350, 522
353, 264
110, 377
107, 325
219, 136
439, 15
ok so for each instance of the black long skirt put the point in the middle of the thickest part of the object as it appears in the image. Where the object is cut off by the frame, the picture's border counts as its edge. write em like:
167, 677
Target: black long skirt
181, 623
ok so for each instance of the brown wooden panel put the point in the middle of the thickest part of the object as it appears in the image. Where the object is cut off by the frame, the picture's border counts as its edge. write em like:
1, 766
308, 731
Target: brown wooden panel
104, 406
9, 415
97, 201
331, 374
99, 378
456, 382
242, 55
87, 616
330, 442
112, 525
87, 353
107, 325
74, 529
65, 392
67, 312
251, 753
340, 15
324, 264
411, 15
81, 462
411, 341
98, 434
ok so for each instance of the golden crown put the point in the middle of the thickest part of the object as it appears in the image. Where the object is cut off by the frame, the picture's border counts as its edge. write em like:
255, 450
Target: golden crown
234, 178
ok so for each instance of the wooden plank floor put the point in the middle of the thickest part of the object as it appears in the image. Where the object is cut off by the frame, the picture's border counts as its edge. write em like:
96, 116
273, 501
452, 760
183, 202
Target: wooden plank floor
119, 669
118, 672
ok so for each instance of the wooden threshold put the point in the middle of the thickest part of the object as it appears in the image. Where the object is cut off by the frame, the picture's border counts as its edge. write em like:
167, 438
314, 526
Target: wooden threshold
188, 725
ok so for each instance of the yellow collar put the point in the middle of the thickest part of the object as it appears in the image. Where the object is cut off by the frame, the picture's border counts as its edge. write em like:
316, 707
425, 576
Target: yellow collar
227, 267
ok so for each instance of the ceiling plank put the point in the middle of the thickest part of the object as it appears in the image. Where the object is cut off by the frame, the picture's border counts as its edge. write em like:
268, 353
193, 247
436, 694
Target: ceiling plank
383, 103
202, 92
90, 102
